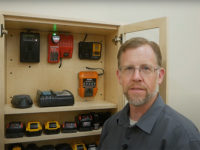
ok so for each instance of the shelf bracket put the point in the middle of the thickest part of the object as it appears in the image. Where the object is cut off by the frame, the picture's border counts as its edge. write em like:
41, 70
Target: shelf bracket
118, 39
2, 31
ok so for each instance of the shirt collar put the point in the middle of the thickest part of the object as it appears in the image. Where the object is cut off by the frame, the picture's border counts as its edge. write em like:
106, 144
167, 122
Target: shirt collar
148, 120
123, 118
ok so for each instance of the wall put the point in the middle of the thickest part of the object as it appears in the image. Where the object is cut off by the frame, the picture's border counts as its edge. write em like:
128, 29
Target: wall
183, 37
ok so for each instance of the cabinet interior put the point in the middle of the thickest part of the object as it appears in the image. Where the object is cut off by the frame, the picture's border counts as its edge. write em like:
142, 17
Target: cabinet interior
27, 78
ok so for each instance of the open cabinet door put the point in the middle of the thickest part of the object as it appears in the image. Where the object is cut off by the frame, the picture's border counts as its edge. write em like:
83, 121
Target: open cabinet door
2, 82
153, 30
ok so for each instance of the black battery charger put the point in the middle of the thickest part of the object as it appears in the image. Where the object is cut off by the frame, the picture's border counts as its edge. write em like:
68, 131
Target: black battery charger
90, 50
52, 98
29, 47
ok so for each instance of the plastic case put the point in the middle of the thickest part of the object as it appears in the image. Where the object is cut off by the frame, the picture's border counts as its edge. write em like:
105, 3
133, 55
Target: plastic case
17, 146
90, 50
21, 101
69, 127
52, 99
29, 47
33, 128
88, 83
47, 147
52, 127
15, 129
84, 122
79, 146
32, 146
91, 147
63, 146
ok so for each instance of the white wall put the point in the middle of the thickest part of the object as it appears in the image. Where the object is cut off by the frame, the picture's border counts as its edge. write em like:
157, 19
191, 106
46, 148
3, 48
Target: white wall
183, 37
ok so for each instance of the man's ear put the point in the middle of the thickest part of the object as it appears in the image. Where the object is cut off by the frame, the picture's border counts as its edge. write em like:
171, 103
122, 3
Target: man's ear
161, 75
118, 73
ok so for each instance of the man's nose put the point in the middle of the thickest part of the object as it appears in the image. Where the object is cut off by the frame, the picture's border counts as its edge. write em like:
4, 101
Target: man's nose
136, 75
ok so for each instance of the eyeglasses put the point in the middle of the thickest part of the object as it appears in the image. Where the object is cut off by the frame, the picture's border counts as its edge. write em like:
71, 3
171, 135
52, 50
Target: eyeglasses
145, 70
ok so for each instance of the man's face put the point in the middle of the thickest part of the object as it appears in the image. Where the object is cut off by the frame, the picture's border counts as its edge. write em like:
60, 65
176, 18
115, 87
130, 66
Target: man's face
140, 86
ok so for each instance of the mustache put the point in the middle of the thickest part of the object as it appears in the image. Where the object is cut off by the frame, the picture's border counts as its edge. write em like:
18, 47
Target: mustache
136, 86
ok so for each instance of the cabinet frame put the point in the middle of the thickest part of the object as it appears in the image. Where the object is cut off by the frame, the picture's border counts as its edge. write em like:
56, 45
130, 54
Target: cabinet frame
113, 96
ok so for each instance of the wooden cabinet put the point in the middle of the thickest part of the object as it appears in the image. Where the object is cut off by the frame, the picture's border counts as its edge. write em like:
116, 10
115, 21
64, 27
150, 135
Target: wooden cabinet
27, 78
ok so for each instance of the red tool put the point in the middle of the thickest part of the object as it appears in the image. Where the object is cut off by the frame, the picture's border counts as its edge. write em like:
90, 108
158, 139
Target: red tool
60, 46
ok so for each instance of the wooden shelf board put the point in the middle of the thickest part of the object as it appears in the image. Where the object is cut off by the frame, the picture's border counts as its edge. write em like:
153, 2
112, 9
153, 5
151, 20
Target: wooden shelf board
65, 25
79, 105
44, 137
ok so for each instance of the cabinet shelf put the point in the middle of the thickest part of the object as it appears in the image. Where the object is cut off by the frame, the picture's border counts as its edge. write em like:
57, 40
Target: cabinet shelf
78, 105
44, 137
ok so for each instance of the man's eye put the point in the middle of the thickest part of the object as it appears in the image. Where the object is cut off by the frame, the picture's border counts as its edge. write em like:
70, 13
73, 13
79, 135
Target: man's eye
146, 68
129, 68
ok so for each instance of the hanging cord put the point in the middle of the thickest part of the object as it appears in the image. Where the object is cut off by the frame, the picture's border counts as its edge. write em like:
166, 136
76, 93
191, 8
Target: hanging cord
60, 62
100, 74
85, 37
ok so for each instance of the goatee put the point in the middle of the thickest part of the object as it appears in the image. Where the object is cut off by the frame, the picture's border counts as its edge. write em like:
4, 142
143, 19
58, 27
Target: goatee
138, 100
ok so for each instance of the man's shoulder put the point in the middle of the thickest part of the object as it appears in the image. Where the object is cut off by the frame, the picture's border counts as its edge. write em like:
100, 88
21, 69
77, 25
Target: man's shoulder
177, 117
180, 123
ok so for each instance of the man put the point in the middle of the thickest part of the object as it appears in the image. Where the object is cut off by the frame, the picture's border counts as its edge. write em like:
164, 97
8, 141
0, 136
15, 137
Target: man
145, 123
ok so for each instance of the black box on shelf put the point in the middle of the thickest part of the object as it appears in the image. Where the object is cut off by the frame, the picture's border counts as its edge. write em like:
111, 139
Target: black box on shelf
52, 99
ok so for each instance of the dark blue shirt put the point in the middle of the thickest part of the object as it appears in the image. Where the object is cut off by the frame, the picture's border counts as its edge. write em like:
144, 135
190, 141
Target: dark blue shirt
160, 128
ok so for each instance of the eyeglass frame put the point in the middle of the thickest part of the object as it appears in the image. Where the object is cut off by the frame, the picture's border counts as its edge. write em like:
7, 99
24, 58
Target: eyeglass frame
133, 69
